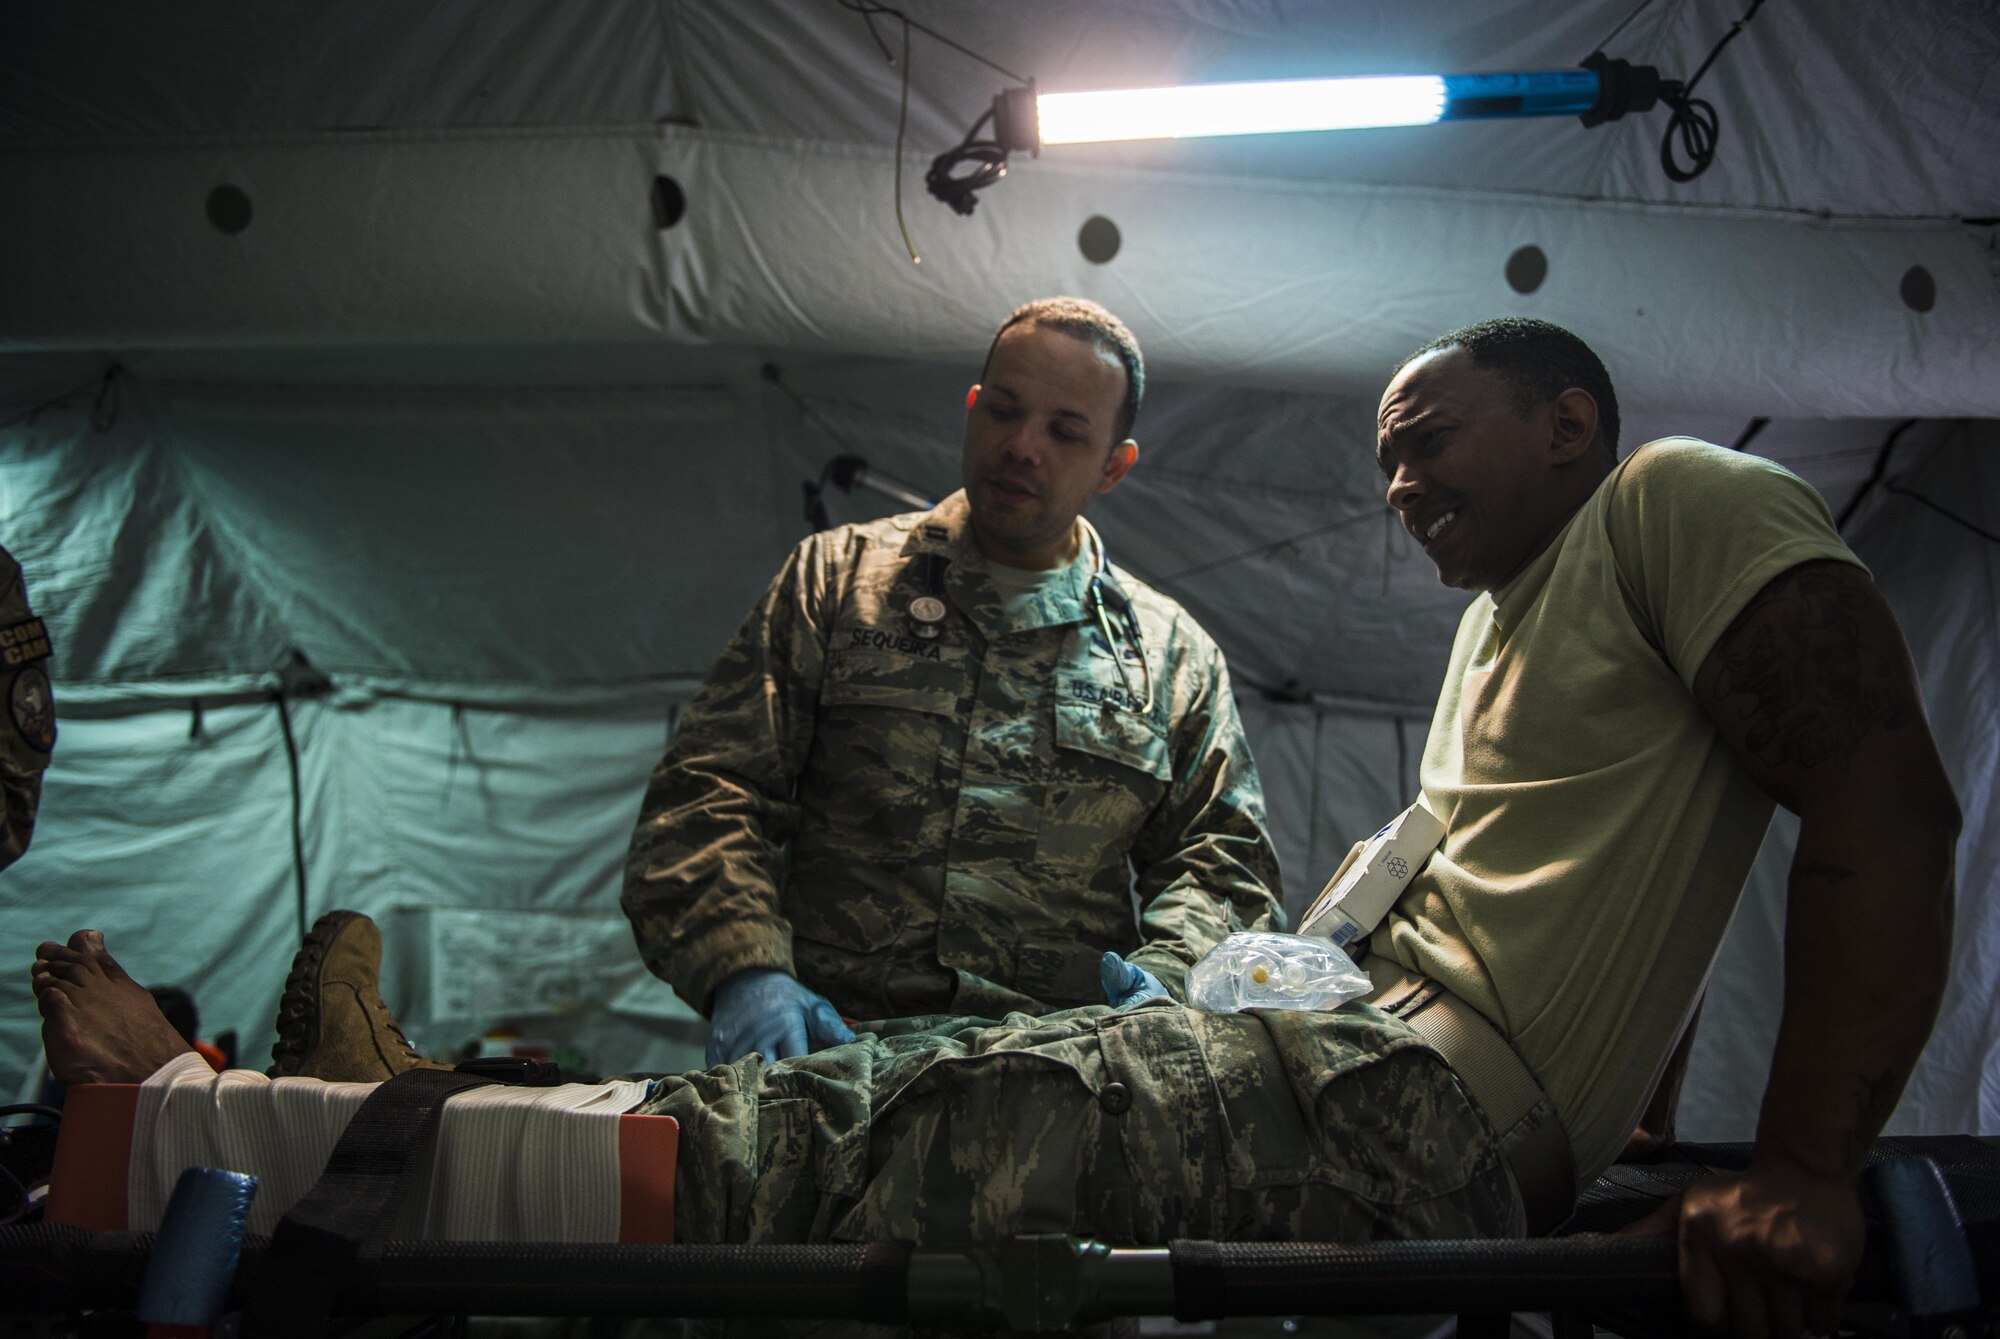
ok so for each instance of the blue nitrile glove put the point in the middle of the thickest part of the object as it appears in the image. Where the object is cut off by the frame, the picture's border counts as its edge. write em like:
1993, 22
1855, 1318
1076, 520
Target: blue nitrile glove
763, 1009
1125, 983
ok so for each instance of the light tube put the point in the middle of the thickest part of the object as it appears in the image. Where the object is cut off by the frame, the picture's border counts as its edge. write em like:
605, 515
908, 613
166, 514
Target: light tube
1279, 106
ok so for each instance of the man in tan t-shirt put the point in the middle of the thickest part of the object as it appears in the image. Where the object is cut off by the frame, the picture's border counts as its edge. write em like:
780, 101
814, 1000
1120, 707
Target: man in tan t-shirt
1661, 648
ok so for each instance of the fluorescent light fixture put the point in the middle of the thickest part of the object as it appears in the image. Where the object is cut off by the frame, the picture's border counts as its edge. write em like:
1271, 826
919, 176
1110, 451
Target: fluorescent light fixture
1024, 118
1268, 108
1287, 105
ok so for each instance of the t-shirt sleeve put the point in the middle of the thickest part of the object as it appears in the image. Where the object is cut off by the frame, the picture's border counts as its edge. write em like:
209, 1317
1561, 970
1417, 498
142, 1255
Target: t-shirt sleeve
1697, 530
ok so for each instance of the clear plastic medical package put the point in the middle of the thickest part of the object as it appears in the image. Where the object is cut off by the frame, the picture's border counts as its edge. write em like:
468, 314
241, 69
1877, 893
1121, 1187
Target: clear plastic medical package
1262, 970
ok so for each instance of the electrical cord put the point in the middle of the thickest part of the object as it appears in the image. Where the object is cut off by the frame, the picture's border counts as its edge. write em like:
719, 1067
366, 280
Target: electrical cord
298, 810
961, 192
902, 124
1612, 36
867, 8
944, 180
1694, 126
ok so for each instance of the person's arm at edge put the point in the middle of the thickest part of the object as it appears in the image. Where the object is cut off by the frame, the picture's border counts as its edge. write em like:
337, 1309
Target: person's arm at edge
1207, 866
702, 875
1812, 690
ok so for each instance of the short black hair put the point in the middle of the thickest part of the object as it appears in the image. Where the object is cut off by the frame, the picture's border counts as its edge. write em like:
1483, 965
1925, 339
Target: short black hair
1539, 361
1085, 320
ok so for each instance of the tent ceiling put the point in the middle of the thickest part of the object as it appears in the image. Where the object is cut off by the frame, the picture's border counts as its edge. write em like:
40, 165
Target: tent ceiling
1852, 108
470, 180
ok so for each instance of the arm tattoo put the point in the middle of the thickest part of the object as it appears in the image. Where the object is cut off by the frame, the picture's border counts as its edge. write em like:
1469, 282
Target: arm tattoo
1810, 691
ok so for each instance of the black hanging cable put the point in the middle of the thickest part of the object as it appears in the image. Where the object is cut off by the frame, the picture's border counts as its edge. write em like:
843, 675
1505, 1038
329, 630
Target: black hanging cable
944, 179
110, 395
1874, 475
775, 375
817, 515
1893, 487
1262, 549
298, 678
902, 123
868, 18
1694, 125
961, 191
866, 8
1749, 433
103, 406
298, 810
1612, 36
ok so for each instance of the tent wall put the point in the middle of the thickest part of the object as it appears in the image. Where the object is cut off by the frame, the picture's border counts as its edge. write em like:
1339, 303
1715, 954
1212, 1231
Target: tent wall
1943, 579
510, 591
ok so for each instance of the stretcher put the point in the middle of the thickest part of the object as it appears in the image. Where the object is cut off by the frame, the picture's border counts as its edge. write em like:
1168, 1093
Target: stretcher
1932, 1266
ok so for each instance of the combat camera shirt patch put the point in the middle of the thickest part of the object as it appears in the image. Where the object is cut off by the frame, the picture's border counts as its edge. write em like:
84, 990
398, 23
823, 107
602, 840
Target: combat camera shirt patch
33, 706
23, 643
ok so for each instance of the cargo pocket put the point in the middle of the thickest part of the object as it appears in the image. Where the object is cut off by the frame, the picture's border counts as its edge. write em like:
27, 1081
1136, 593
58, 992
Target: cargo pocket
1111, 768
884, 719
1168, 1124
985, 1147
1354, 1130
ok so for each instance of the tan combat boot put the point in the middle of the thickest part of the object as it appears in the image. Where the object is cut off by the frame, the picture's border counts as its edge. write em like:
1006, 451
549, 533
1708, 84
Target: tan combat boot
332, 1023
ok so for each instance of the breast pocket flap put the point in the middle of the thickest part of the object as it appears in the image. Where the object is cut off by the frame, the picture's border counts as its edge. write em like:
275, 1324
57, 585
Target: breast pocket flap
910, 682
1122, 736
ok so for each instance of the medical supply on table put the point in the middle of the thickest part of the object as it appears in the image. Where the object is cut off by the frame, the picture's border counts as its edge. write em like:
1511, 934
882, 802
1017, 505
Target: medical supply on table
1370, 880
1265, 970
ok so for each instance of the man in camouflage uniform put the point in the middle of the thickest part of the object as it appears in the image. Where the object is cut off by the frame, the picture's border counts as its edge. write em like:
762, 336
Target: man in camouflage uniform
923, 772
29, 732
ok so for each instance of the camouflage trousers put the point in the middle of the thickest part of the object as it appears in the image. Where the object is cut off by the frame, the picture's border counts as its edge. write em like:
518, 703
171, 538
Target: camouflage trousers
1133, 1127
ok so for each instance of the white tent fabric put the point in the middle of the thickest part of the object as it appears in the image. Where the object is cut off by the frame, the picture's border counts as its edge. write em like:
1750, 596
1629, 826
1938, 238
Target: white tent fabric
591, 562
415, 239
467, 448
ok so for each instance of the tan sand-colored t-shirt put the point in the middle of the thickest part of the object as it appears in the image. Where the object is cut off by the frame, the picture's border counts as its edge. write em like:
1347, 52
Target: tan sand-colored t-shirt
1598, 832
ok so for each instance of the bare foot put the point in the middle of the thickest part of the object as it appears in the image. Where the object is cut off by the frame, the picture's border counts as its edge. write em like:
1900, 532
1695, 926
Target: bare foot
98, 1024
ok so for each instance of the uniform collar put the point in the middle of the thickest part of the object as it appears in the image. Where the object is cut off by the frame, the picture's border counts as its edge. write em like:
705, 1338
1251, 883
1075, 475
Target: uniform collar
946, 532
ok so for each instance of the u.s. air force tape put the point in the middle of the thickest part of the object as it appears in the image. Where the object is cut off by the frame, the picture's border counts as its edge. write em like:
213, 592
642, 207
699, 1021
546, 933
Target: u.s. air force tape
33, 707
24, 642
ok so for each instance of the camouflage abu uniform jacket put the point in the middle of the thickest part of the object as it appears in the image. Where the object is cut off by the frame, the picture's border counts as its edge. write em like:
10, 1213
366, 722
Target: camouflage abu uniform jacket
29, 732
958, 810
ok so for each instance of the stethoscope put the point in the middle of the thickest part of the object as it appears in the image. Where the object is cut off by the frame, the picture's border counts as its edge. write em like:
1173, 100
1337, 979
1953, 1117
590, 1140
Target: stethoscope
1095, 602
927, 612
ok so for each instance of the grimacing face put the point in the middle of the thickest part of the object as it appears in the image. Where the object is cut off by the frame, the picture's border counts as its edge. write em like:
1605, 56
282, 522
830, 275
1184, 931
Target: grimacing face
1038, 443
1471, 475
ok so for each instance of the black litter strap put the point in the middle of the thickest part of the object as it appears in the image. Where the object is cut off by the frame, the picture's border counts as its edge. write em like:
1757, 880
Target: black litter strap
352, 1204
